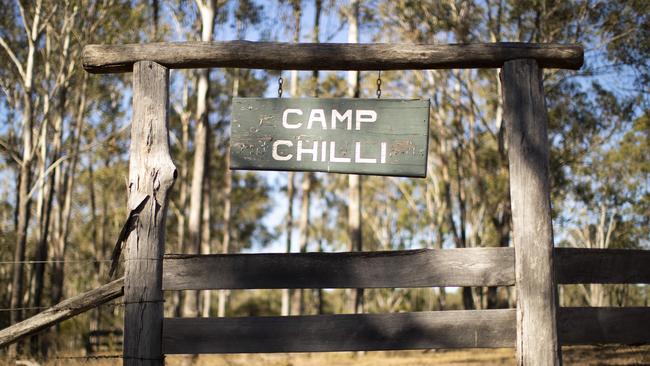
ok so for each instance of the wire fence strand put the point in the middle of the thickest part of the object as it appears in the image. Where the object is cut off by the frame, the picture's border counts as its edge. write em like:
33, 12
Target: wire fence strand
57, 261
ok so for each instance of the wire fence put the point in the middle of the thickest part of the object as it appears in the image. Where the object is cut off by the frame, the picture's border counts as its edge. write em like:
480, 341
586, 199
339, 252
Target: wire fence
57, 261
47, 307
88, 357
74, 267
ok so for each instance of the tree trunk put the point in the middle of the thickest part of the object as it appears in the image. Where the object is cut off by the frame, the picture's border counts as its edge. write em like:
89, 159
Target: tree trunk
227, 207
208, 12
184, 114
64, 186
227, 211
298, 296
354, 184
286, 294
24, 183
206, 232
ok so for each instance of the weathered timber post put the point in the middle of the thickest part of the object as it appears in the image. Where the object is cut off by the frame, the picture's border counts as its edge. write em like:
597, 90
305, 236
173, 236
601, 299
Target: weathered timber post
527, 121
151, 175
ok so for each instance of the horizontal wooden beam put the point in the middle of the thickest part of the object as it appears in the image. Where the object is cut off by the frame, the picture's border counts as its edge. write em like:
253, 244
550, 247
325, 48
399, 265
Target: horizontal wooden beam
62, 311
326, 56
409, 268
400, 331
573, 265
331, 333
604, 326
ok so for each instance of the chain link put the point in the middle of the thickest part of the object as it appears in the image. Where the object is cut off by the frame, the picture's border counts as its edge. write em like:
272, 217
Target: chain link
280, 82
379, 85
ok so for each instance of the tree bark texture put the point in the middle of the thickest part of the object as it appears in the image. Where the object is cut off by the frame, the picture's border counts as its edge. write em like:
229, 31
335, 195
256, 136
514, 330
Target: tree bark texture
528, 151
207, 11
151, 176
327, 56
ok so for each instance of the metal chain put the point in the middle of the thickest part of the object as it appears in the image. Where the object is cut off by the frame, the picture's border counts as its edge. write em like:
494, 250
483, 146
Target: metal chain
280, 82
379, 85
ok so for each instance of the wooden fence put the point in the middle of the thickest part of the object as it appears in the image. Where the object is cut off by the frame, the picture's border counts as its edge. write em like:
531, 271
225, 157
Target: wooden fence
536, 328
411, 268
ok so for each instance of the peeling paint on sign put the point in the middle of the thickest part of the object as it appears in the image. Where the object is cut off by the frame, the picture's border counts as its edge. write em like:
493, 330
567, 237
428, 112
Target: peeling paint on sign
358, 136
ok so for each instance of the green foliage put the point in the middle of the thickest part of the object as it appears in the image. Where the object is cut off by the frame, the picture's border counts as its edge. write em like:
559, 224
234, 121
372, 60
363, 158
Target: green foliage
599, 135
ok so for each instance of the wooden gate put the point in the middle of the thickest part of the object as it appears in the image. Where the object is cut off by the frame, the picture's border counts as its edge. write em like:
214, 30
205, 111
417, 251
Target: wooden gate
536, 328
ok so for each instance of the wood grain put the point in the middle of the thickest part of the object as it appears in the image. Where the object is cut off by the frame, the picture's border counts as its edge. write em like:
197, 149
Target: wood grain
604, 325
330, 333
326, 56
526, 120
576, 265
410, 268
402, 126
62, 311
151, 174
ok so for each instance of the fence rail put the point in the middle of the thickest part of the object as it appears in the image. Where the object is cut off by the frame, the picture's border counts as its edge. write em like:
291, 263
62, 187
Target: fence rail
628, 325
330, 333
390, 269
573, 265
420, 330
408, 269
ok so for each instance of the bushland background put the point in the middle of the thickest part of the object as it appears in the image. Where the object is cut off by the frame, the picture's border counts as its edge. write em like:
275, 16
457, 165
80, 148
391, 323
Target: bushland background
64, 152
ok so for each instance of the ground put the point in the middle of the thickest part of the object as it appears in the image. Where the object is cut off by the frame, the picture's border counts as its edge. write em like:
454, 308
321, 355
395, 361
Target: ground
587, 356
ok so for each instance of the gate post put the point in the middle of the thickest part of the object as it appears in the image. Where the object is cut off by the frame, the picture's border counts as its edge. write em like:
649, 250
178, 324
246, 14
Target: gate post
151, 176
528, 155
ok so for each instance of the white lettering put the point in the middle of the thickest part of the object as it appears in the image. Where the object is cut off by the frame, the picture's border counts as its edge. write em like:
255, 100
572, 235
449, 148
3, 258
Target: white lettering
337, 117
383, 153
365, 115
357, 155
275, 154
285, 114
317, 115
333, 157
313, 151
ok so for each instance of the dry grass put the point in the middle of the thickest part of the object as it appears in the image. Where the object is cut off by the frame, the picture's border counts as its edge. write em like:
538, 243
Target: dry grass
587, 356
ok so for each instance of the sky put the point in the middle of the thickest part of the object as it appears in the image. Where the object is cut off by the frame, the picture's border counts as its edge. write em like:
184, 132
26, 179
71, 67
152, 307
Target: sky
330, 32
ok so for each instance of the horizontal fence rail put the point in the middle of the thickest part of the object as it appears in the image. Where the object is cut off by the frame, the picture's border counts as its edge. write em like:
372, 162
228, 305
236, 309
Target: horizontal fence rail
575, 265
604, 326
388, 269
331, 333
326, 56
409, 268
420, 330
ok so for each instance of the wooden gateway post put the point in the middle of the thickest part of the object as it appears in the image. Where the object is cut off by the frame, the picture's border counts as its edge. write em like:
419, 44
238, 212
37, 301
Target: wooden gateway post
526, 123
531, 269
151, 176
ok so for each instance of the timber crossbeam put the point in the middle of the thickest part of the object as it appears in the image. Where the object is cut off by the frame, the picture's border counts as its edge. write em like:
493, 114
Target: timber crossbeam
62, 311
104, 59
398, 331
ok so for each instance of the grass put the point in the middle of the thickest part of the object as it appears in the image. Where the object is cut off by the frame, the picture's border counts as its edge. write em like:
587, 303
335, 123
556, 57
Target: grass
587, 356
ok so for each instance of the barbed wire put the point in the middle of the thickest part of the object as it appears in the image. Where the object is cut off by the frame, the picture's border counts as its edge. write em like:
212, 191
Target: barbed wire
25, 308
112, 304
57, 261
88, 357
52, 261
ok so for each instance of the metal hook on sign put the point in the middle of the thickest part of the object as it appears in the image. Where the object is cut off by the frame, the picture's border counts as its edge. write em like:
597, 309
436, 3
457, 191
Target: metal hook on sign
379, 85
280, 82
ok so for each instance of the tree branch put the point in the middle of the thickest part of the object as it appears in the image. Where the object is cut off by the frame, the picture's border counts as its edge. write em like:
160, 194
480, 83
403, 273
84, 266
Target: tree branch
14, 59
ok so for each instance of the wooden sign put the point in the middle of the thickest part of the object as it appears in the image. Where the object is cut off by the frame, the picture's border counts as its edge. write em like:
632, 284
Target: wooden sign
359, 136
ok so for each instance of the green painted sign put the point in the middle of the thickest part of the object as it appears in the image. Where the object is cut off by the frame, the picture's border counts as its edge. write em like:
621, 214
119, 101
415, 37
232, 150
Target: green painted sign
358, 136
